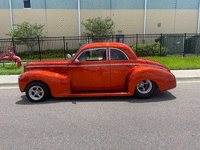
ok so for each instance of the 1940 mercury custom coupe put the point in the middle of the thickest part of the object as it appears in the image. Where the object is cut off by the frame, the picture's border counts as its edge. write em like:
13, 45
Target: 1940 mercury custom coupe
98, 69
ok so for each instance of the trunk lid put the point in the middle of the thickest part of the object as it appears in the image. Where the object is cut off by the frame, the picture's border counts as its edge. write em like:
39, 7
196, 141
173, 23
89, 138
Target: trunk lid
156, 64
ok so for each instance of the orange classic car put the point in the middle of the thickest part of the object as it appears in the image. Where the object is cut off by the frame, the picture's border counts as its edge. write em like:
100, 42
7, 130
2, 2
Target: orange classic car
98, 69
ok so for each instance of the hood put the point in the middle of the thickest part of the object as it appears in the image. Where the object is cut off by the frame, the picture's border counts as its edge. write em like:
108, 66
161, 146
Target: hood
45, 64
48, 62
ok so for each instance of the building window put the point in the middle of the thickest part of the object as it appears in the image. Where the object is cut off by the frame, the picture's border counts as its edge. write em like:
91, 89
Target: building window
27, 4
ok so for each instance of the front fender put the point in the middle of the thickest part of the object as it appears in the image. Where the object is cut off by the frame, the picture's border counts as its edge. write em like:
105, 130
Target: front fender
164, 79
58, 83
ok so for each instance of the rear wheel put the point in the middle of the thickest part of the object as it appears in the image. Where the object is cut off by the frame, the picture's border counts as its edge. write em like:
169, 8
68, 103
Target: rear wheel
145, 89
37, 92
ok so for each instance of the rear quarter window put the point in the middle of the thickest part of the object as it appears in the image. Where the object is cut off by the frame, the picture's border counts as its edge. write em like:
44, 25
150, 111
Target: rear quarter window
116, 54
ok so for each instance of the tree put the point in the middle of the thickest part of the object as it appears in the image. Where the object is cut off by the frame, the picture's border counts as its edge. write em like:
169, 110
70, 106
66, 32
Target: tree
99, 29
26, 33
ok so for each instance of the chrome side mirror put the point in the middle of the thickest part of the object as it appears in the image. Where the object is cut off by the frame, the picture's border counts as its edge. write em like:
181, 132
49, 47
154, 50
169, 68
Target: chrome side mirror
73, 55
69, 56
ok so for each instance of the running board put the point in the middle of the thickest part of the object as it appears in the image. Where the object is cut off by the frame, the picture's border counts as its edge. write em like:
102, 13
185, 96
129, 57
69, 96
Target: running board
96, 94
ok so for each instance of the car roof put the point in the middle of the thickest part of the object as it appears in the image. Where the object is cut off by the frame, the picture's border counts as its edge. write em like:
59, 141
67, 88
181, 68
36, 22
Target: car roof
125, 48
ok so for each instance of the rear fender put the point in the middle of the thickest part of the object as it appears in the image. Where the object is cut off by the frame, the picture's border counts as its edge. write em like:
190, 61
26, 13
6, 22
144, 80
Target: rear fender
58, 83
164, 79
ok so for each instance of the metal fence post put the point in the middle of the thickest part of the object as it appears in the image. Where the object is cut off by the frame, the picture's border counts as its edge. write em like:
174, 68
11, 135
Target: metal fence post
88, 39
136, 43
13, 44
64, 46
160, 43
39, 46
183, 52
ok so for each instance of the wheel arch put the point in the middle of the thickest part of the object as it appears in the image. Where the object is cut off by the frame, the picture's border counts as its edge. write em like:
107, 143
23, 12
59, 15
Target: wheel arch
57, 83
39, 82
139, 73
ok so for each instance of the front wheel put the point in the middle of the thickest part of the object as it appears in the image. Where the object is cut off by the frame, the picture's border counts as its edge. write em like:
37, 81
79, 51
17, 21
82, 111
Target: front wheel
37, 92
145, 89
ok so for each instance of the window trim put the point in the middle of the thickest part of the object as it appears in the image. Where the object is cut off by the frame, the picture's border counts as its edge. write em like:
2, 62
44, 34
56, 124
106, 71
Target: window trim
118, 50
91, 49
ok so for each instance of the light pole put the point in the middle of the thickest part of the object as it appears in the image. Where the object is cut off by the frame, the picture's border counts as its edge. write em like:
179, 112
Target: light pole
145, 16
11, 16
79, 21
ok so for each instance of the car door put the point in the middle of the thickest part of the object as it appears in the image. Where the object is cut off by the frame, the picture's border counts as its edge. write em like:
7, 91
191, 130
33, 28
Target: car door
91, 70
119, 64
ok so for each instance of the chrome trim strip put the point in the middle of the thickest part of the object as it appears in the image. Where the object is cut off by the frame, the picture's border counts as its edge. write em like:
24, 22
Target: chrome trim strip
46, 66
97, 65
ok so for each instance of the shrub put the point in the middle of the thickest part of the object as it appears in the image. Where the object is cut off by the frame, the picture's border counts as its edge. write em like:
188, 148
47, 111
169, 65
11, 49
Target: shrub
151, 49
99, 29
26, 33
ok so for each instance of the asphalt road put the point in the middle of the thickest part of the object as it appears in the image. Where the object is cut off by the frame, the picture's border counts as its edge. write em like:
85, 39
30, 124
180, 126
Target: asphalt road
171, 120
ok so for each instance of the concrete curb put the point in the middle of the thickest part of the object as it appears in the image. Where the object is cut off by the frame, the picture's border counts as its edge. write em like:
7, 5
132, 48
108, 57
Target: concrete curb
8, 84
14, 83
177, 79
188, 79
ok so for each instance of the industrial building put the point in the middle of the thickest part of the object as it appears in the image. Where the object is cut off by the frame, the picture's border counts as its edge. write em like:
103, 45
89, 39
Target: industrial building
64, 17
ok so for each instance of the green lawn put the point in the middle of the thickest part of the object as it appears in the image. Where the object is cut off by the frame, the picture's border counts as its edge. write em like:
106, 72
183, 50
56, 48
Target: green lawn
172, 62
10, 69
178, 63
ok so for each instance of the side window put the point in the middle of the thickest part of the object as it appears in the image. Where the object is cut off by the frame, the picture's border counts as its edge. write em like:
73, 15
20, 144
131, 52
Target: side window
93, 55
117, 55
27, 4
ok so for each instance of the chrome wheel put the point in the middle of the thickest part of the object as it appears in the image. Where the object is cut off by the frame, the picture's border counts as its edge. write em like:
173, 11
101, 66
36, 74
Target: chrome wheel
144, 87
36, 93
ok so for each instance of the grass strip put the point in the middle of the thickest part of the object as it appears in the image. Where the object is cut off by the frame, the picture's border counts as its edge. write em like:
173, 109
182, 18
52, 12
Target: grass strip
178, 63
10, 69
172, 62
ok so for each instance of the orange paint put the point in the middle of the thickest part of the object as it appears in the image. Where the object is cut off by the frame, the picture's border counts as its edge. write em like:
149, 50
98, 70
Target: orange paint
97, 76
